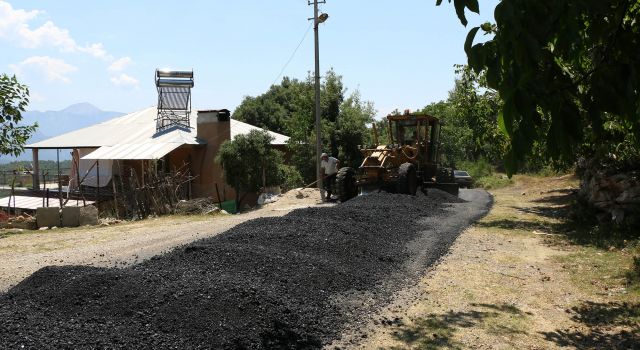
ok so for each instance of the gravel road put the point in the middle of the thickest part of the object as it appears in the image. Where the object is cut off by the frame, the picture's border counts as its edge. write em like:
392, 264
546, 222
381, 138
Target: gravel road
117, 245
296, 281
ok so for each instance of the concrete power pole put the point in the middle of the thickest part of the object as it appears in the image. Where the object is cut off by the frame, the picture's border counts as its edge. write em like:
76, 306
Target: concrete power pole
316, 22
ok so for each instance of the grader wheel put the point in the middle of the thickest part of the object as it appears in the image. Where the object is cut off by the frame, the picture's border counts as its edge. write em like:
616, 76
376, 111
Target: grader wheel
346, 184
407, 182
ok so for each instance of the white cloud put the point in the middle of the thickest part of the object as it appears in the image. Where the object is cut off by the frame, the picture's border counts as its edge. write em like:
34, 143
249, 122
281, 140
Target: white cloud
97, 51
52, 69
120, 64
15, 27
125, 80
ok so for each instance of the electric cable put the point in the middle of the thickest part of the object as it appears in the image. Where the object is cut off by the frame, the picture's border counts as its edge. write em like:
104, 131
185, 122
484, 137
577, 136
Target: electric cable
293, 54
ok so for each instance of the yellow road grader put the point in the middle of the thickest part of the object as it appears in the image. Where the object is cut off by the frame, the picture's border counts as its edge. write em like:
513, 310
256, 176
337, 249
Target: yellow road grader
410, 161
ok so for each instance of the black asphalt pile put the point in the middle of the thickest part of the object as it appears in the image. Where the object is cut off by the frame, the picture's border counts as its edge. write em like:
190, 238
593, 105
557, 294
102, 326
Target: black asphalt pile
288, 282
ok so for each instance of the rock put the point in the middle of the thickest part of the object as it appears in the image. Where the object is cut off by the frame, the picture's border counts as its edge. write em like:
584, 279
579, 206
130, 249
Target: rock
44, 228
71, 216
48, 217
213, 211
88, 215
631, 195
617, 216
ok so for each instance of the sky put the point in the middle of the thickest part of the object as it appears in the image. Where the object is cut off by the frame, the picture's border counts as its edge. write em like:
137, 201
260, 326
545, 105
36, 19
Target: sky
398, 54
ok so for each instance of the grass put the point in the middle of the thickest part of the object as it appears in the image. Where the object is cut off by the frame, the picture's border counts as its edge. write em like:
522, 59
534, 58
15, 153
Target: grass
595, 273
10, 232
493, 181
437, 331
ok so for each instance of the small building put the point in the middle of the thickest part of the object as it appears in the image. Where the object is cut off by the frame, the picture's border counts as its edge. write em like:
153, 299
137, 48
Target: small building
165, 138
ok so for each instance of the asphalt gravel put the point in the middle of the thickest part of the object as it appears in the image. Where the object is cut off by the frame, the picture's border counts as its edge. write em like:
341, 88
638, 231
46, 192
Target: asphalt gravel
290, 282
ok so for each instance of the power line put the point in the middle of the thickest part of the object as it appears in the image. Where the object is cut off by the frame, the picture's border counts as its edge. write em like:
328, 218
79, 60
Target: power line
293, 54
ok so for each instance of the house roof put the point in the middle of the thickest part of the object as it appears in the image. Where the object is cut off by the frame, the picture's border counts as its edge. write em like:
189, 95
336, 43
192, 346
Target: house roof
120, 135
242, 128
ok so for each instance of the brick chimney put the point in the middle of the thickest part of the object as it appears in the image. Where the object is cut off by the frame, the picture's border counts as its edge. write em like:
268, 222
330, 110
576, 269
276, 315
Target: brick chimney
213, 127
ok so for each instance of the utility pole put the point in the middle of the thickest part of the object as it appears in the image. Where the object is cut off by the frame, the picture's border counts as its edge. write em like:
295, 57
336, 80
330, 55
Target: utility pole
317, 19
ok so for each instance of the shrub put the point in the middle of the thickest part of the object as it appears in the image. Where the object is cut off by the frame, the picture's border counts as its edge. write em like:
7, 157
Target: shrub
477, 169
290, 177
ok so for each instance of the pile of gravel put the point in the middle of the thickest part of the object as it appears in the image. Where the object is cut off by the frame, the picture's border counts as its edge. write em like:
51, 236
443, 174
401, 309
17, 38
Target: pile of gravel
282, 282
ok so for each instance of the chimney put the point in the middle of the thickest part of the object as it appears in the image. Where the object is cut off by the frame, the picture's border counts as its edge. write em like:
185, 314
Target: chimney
214, 128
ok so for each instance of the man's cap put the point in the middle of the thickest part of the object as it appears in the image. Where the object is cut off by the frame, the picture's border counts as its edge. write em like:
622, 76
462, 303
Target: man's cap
323, 155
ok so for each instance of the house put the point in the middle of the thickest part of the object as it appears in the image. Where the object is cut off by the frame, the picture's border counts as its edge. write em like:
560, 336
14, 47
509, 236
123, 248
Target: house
165, 138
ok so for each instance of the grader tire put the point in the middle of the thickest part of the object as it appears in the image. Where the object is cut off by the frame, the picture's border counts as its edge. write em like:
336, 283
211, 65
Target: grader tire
346, 184
407, 182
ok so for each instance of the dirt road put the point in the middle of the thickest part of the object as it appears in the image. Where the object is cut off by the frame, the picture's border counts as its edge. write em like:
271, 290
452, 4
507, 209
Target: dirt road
122, 244
511, 282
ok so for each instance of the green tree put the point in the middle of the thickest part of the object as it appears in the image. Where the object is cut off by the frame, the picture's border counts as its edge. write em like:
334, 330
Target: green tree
565, 70
289, 108
14, 98
469, 117
249, 163
351, 129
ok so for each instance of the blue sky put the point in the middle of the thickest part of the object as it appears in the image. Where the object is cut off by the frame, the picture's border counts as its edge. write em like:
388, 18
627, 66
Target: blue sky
399, 54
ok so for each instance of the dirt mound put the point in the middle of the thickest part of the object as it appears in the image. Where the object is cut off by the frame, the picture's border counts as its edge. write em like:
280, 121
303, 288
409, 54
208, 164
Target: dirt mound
282, 282
299, 197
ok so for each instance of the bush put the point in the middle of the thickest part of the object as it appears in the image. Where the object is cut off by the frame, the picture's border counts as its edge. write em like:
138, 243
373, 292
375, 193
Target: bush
477, 169
290, 177
483, 174
492, 182
633, 276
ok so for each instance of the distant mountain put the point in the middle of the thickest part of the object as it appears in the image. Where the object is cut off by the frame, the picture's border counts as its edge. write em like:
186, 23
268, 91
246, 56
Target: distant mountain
54, 123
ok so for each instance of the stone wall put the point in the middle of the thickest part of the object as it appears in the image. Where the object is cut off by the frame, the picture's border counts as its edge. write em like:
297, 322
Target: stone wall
615, 197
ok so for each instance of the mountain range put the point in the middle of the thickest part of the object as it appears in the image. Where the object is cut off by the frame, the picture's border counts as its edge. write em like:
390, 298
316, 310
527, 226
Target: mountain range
54, 123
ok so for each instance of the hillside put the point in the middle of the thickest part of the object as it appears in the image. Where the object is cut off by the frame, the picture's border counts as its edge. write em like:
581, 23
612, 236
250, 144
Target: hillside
54, 123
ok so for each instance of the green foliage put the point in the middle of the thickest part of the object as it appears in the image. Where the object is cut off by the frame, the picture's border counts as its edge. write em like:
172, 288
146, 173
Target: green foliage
469, 117
634, 274
565, 69
290, 177
249, 162
460, 6
382, 128
351, 129
289, 108
492, 182
476, 169
14, 98
484, 175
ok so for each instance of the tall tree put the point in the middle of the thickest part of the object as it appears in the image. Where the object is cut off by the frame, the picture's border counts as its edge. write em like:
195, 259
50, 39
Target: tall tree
289, 108
351, 128
14, 98
469, 117
565, 69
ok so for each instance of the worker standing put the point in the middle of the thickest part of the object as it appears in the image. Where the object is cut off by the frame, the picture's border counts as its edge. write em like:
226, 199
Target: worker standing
329, 167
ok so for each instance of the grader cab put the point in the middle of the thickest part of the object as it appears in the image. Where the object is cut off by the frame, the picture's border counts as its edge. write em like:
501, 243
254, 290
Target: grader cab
410, 160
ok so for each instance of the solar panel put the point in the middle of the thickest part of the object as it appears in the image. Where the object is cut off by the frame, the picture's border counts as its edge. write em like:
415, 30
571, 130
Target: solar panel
174, 98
